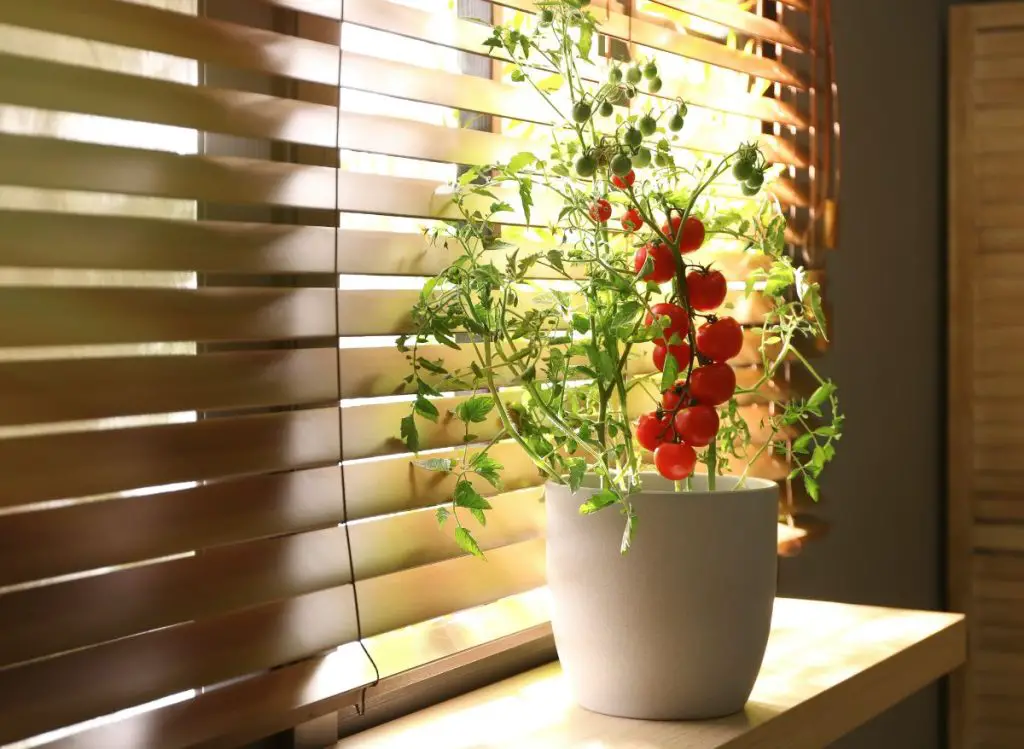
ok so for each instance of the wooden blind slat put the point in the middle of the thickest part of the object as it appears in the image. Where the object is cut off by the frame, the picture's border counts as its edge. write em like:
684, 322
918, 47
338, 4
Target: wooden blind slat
38, 316
743, 21
44, 239
411, 539
40, 545
132, 601
129, 672
414, 595
143, 27
48, 85
76, 464
70, 389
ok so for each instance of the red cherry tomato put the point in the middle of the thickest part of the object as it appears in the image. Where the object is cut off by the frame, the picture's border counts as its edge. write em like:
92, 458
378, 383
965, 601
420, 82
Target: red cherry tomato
697, 425
720, 340
672, 397
680, 352
623, 182
713, 384
675, 461
678, 325
692, 236
652, 431
631, 220
686, 236
600, 210
706, 290
664, 264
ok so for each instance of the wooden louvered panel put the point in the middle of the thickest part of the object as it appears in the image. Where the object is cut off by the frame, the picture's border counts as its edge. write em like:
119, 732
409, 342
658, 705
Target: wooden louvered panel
128, 672
38, 545
123, 459
131, 601
986, 438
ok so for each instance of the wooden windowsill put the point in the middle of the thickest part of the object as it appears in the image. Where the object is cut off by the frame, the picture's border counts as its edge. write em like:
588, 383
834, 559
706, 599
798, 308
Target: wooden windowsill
829, 668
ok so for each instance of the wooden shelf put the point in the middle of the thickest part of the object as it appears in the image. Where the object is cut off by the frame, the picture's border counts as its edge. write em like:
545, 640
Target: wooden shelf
829, 668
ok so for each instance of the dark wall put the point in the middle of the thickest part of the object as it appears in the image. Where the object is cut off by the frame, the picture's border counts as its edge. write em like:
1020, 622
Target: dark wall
884, 494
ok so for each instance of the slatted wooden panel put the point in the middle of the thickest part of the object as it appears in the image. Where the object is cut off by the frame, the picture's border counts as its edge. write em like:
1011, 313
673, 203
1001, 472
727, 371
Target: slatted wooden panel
986, 438
194, 467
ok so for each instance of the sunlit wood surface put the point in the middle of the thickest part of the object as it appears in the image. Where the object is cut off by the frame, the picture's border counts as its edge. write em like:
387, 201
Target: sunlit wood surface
829, 668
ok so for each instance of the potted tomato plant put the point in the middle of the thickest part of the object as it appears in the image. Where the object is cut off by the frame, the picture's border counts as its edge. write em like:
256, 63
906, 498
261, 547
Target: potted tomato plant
602, 347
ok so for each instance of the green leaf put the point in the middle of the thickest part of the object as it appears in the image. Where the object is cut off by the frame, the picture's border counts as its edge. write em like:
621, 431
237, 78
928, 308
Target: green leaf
580, 323
426, 409
520, 161
577, 470
479, 515
670, 373
410, 435
551, 83
425, 388
475, 409
518, 76
467, 543
469, 175
468, 497
586, 41
501, 207
629, 532
811, 485
599, 501
802, 443
441, 465
526, 197
431, 366
822, 394
441, 514
487, 468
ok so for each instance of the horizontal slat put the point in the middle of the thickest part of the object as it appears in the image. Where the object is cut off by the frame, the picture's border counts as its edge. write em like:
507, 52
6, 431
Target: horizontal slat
128, 672
47, 85
998, 566
999, 43
998, 536
743, 21
422, 593
385, 545
1003, 68
132, 601
50, 543
997, 92
39, 316
70, 389
133, 25
989, 611
41, 239
86, 463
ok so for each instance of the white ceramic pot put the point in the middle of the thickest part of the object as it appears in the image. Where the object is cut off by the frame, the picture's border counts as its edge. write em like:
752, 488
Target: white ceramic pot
676, 628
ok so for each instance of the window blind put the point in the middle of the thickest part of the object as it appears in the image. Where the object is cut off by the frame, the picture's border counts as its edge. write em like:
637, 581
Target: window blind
201, 286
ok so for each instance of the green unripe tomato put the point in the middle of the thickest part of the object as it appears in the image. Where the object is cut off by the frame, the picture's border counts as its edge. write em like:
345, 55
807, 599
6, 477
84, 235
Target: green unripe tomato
651, 70
647, 125
654, 85
676, 123
661, 159
606, 109
642, 158
581, 112
621, 165
756, 179
615, 75
749, 189
633, 137
634, 75
742, 170
683, 109
586, 165
546, 17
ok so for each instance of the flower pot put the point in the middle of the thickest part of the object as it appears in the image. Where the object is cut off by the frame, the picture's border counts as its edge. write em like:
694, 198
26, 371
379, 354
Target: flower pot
676, 628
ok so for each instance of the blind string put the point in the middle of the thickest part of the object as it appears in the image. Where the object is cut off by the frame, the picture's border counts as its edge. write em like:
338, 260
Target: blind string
361, 706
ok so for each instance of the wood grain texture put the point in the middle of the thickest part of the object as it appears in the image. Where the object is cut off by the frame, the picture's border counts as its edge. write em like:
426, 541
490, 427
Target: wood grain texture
866, 660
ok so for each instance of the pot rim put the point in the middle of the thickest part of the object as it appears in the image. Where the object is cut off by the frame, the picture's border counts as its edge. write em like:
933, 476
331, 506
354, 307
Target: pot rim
751, 484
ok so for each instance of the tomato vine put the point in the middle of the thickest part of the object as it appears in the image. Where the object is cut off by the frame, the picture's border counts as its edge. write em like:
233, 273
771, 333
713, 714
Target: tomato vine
550, 335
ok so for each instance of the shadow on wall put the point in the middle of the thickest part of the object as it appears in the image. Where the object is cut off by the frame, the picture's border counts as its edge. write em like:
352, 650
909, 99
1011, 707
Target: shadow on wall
884, 495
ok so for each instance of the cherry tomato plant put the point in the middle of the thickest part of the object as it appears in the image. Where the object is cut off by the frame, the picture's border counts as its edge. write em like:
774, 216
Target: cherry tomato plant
551, 337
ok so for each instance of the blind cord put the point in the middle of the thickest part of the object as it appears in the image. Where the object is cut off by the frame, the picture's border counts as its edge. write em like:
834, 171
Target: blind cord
361, 706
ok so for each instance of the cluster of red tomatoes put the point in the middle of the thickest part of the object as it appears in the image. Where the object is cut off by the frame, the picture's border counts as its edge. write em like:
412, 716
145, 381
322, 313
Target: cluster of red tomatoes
687, 417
